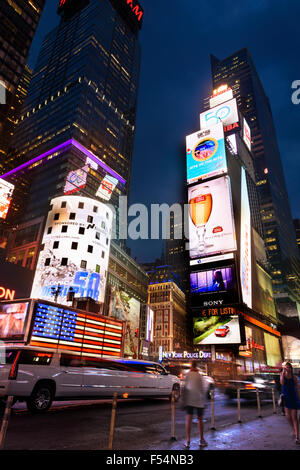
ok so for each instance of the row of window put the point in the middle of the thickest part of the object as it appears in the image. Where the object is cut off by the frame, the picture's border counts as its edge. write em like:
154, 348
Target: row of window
81, 231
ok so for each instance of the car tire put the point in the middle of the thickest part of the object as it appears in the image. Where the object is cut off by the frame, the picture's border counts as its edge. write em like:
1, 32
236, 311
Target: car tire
41, 399
176, 390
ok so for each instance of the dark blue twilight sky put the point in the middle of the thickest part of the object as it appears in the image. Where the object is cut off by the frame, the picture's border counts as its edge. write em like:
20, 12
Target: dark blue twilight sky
177, 38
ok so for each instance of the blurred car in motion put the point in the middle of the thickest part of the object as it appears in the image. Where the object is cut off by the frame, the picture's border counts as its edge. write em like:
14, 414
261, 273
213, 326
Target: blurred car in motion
248, 385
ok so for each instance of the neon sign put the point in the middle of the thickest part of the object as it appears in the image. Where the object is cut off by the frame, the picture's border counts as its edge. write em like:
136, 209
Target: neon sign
136, 8
7, 294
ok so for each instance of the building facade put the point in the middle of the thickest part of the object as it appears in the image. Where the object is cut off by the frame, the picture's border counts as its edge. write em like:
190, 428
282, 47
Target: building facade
168, 303
19, 20
238, 72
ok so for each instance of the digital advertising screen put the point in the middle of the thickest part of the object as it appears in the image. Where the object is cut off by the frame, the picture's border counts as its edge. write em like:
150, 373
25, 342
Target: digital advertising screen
205, 153
217, 330
225, 112
213, 287
247, 134
124, 307
75, 254
6, 192
107, 187
12, 320
245, 247
76, 180
58, 327
211, 221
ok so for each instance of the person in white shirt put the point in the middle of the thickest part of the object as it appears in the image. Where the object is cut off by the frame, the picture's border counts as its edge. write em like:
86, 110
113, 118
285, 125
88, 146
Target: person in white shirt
194, 399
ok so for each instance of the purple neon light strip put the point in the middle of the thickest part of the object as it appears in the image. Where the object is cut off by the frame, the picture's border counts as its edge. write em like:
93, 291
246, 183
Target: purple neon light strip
76, 144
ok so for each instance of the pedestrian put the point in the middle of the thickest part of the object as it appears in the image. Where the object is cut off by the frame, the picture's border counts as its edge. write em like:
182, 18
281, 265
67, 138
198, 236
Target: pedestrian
195, 389
279, 390
291, 397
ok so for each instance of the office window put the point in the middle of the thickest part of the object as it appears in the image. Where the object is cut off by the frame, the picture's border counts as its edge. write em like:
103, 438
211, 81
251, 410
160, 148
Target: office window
55, 245
64, 262
81, 205
64, 229
74, 245
56, 216
47, 262
83, 264
90, 219
81, 231
63, 204
72, 216
90, 249
49, 230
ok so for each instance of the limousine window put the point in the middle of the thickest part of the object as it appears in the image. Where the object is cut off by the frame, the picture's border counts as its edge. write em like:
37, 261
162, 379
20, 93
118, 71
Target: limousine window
35, 358
69, 360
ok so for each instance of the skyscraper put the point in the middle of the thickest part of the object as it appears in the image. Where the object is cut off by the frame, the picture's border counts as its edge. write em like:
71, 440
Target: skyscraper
85, 85
238, 71
19, 20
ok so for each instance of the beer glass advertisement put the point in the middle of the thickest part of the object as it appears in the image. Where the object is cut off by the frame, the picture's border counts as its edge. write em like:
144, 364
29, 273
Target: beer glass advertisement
217, 330
126, 308
215, 287
211, 222
12, 320
205, 153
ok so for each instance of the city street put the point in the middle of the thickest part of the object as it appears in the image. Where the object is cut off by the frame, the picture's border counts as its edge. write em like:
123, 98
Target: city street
140, 424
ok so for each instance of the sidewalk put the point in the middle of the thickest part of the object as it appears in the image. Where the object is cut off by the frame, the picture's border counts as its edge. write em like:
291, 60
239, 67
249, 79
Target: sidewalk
268, 433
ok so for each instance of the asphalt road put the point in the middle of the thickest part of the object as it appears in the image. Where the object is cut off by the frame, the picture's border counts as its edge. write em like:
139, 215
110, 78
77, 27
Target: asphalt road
140, 424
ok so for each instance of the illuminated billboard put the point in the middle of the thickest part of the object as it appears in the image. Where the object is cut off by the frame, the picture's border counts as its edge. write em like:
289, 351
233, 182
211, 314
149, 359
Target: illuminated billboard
211, 222
217, 330
205, 153
245, 249
76, 180
85, 333
75, 250
150, 325
6, 192
225, 112
213, 287
107, 187
12, 320
247, 134
220, 95
124, 307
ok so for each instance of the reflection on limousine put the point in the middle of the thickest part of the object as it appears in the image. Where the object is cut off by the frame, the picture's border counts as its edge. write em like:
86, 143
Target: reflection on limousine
40, 376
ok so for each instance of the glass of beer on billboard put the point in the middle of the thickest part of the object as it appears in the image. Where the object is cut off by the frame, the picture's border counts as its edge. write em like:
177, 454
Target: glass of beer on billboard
200, 206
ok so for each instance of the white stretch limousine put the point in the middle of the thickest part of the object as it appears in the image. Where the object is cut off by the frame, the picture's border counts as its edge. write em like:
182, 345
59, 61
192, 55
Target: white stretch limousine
38, 376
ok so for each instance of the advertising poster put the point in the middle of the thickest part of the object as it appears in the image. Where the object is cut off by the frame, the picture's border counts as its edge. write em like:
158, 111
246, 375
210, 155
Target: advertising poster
126, 308
76, 180
217, 330
75, 252
272, 350
225, 112
211, 222
205, 153
245, 254
265, 297
107, 187
247, 134
150, 325
12, 320
215, 287
6, 192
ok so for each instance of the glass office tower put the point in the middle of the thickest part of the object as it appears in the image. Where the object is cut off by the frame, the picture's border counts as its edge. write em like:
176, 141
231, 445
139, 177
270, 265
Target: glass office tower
239, 72
19, 20
85, 85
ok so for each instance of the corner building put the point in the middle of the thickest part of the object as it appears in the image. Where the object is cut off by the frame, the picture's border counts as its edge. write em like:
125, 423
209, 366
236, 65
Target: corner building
85, 86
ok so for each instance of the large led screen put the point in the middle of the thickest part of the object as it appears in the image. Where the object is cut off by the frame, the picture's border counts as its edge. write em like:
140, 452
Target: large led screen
12, 320
6, 192
205, 153
245, 253
211, 222
124, 307
217, 330
214, 287
75, 250
91, 335
225, 112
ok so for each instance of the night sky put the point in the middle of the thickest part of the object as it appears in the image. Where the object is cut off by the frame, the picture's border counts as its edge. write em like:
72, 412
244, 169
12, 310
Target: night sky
177, 39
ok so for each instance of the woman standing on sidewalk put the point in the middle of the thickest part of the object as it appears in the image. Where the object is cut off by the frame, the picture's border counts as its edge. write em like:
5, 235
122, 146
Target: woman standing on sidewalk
291, 397
194, 398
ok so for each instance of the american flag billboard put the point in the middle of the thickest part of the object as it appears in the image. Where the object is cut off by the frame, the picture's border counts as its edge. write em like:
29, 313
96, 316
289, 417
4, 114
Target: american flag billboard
63, 328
